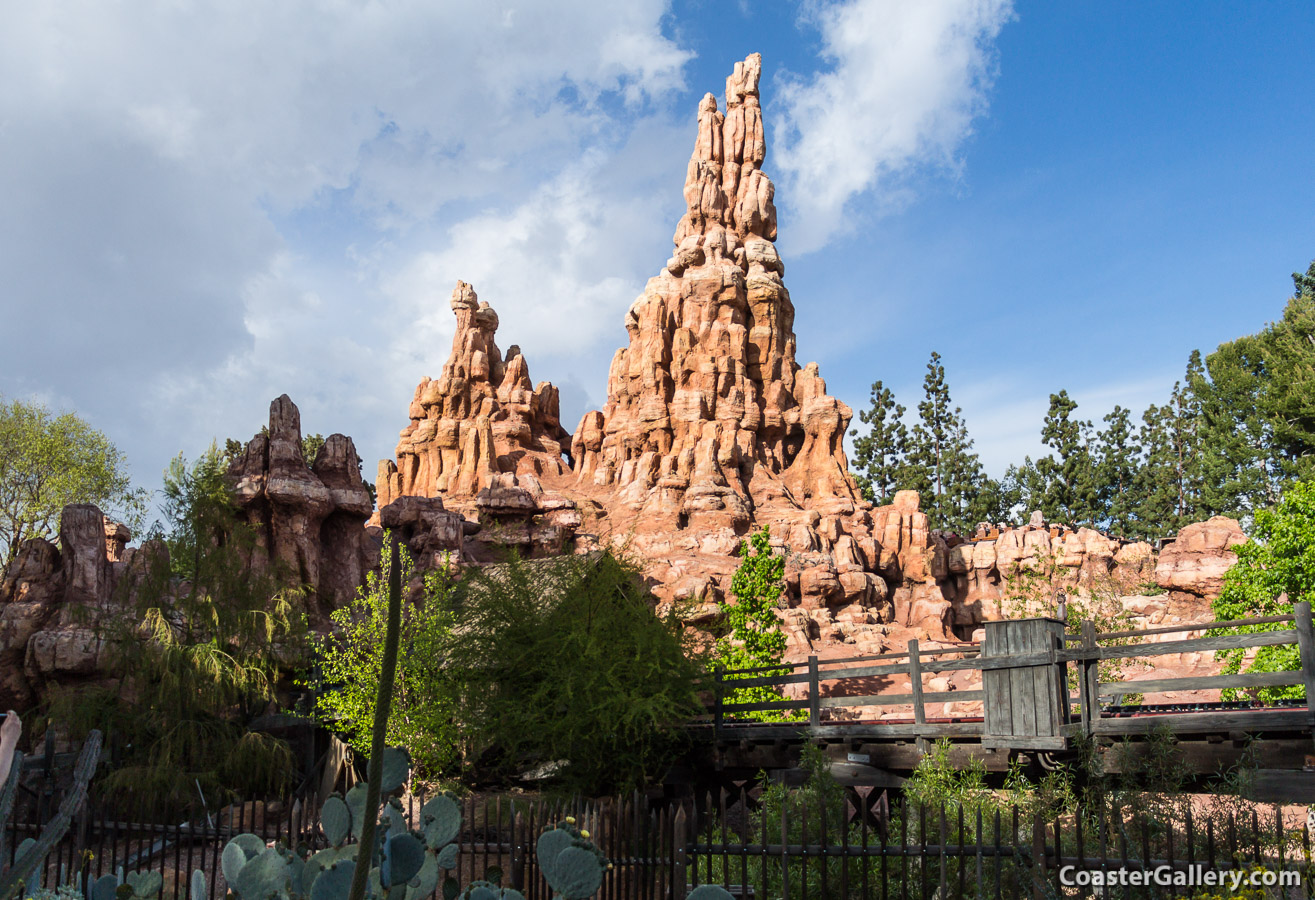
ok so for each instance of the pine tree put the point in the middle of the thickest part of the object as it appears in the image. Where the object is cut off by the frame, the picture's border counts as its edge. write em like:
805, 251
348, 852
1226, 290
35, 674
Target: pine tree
1069, 476
1118, 460
880, 454
941, 464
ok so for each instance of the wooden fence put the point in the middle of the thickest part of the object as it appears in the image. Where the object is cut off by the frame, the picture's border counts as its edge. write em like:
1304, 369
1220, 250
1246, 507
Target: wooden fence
793, 849
1025, 695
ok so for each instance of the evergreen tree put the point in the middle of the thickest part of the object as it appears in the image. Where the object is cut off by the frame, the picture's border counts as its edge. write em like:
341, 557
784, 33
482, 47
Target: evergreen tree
1258, 410
1117, 464
1069, 476
941, 464
880, 454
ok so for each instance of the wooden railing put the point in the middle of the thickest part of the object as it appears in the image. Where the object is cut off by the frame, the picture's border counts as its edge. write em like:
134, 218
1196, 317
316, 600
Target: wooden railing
1029, 674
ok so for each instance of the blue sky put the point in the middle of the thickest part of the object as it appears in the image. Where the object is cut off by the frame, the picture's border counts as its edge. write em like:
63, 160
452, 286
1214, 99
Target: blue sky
210, 206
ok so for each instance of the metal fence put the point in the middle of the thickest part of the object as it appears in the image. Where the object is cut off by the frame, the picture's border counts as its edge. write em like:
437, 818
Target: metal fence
792, 851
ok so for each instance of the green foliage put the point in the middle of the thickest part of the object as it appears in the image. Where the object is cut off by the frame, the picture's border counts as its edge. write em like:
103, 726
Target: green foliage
1274, 570
940, 464
880, 453
48, 462
349, 666
754, 639
198, 644
563, 659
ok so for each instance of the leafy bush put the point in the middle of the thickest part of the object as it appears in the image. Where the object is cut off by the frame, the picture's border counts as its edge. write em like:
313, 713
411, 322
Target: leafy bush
562, 660
1274, 570
349, 666
755, 640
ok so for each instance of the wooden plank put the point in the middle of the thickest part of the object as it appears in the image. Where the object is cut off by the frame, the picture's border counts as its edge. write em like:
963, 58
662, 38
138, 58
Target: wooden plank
915, 684
1025, 741
1201, 683
1195, 645
1306, 643
767, 680
997, 706
766, 705
903, 699
863, 730
814, 693
1219, 721
1199, 626
1280, 786
1089, 679
1021, 680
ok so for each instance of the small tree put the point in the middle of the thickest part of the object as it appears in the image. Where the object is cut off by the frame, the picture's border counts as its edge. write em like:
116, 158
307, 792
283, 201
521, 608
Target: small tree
562, 660
48, 462
198, 643
350, 667
755, 639
1274, 570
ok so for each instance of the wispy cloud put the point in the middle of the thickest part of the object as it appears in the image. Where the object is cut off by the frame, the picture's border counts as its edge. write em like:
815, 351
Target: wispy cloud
905, 82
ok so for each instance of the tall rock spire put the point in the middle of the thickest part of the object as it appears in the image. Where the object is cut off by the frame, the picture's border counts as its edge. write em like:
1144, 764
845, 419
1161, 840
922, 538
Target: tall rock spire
709, 417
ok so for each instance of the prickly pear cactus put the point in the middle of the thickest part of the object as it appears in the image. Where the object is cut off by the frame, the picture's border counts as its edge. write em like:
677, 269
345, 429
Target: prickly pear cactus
709, 892
571, 864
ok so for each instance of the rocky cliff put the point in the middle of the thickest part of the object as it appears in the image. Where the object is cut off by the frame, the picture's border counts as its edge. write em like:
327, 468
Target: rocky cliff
711, 428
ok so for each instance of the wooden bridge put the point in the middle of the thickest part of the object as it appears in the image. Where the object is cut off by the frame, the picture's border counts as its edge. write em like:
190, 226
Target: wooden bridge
1029, 670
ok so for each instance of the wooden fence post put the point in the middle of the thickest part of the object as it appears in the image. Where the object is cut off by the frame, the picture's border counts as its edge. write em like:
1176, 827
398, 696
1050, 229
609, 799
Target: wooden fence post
915, 683
1089, 684
718, 687
1306, 644
1038, 857
814, 693
518, 852
679, 875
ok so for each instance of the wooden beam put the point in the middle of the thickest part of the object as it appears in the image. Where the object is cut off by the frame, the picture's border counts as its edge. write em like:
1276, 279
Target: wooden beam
1201, 683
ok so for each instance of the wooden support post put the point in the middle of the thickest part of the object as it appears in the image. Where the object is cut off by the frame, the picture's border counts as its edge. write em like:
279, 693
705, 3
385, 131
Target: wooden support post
718, 702
680, 861
1038, 857
1306, 644
518, 852
814, 693
1089, 680
915, 683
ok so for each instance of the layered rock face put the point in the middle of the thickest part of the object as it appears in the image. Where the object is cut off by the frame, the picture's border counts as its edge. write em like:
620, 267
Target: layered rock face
708, 416
480, 440
309, 519
711, 427
52, 597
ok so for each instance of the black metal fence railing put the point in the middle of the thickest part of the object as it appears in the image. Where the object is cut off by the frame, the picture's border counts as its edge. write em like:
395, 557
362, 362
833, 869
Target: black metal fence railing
756, 849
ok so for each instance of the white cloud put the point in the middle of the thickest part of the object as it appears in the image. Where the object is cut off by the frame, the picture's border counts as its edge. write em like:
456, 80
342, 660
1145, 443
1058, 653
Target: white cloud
204, 201
906, 81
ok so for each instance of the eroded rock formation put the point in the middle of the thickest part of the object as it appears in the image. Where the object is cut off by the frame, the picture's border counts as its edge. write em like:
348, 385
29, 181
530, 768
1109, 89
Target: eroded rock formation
309, 519
708, 416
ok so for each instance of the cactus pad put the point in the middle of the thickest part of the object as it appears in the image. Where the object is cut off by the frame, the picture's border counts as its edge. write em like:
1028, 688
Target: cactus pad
440, 819
336, 820
355, 801
403, 857
335, 882
252, 845
481, 890
426, 880
579, 873
709, 892
549, 846
103, 888
198, 885
232, 862
263, 877
396, 769
145, 884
